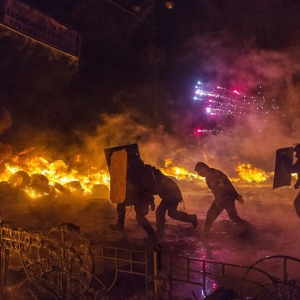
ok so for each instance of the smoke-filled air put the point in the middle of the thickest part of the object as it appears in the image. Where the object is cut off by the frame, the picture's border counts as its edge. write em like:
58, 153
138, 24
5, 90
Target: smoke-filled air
227, 103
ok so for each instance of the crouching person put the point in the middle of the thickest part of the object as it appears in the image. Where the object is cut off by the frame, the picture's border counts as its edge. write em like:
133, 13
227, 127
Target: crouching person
170, 194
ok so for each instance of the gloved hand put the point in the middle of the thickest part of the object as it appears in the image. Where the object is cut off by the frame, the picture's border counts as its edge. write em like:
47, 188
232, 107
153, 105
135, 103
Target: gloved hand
240, 199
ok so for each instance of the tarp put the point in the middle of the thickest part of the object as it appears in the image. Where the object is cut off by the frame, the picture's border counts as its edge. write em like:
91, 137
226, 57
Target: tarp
283, 164
38, 26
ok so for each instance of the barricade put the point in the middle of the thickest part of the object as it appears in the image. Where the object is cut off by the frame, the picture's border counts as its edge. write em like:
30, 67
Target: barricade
61, 264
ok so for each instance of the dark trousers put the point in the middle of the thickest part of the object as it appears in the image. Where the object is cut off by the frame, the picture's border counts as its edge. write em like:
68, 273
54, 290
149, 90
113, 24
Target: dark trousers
173, 213
227, 203
141, 210
297, 205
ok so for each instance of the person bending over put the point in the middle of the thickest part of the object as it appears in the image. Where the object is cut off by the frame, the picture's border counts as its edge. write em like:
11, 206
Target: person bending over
170, 194
224, 193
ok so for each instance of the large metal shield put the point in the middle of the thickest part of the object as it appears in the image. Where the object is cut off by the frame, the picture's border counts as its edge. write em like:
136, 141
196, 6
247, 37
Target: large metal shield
116, 159
131, 148
118, 174
283, 164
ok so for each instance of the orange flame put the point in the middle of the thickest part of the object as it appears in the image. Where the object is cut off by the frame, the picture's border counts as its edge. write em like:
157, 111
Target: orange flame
250, 174
55, 172
178, 172
60, 175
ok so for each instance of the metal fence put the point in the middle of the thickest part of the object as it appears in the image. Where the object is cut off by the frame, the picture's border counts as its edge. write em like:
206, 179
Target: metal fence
61, 264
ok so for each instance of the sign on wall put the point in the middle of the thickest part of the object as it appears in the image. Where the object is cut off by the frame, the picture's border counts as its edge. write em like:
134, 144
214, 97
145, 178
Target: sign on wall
34, 24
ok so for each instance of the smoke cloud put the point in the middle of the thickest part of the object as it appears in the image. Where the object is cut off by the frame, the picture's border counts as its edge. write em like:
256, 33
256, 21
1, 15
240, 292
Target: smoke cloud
224, 60
5, 119
218, 59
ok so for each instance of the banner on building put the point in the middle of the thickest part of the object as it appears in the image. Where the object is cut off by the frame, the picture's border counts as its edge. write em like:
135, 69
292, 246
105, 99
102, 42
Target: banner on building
38, 26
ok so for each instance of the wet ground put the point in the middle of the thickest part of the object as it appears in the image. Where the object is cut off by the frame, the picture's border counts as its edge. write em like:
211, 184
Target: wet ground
273, 226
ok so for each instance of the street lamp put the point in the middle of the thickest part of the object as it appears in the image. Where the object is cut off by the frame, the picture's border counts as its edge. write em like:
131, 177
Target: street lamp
169, 4
136, 8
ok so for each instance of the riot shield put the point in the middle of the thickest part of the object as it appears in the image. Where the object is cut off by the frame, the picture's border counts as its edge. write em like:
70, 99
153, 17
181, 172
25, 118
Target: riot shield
116, 159
118, 174
283, 164
131, 148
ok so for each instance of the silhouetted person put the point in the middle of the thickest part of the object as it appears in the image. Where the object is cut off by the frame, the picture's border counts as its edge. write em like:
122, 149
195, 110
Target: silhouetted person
140, 185
224, 193
170, 194
296, 169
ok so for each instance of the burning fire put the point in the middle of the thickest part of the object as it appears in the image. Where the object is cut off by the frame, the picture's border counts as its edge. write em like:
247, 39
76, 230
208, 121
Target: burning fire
245, 171
38, 177
177, 172
250, 174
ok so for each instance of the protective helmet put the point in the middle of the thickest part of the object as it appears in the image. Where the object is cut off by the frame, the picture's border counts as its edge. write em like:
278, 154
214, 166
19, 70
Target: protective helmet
297, 150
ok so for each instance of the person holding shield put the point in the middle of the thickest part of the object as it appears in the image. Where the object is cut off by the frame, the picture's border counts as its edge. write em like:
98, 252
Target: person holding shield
296, 169
140, 187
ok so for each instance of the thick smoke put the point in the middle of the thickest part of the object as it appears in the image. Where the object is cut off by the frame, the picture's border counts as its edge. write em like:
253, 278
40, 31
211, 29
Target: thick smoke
220, 59
254, 139
223, 60
5, 119
155, 144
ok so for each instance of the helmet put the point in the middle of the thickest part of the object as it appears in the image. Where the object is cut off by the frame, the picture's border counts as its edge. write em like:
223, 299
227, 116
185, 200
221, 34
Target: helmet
297, 150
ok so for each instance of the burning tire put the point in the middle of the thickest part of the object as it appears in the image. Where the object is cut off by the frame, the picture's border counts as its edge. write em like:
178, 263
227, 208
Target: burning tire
39, 182
19, 180
5, 188
75, 188
101, 191
62, 189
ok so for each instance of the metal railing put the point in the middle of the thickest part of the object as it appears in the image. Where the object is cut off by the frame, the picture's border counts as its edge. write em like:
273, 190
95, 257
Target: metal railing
253, 282
61, 264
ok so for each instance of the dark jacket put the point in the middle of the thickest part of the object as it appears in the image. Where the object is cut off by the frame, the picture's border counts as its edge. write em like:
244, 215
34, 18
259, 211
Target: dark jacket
167, 189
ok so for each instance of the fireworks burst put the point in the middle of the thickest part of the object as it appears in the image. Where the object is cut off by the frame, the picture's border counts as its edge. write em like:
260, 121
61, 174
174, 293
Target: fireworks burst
221, 102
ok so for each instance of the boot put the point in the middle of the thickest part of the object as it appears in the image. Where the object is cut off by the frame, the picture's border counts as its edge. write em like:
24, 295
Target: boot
116, 227
204, 237
240, 199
